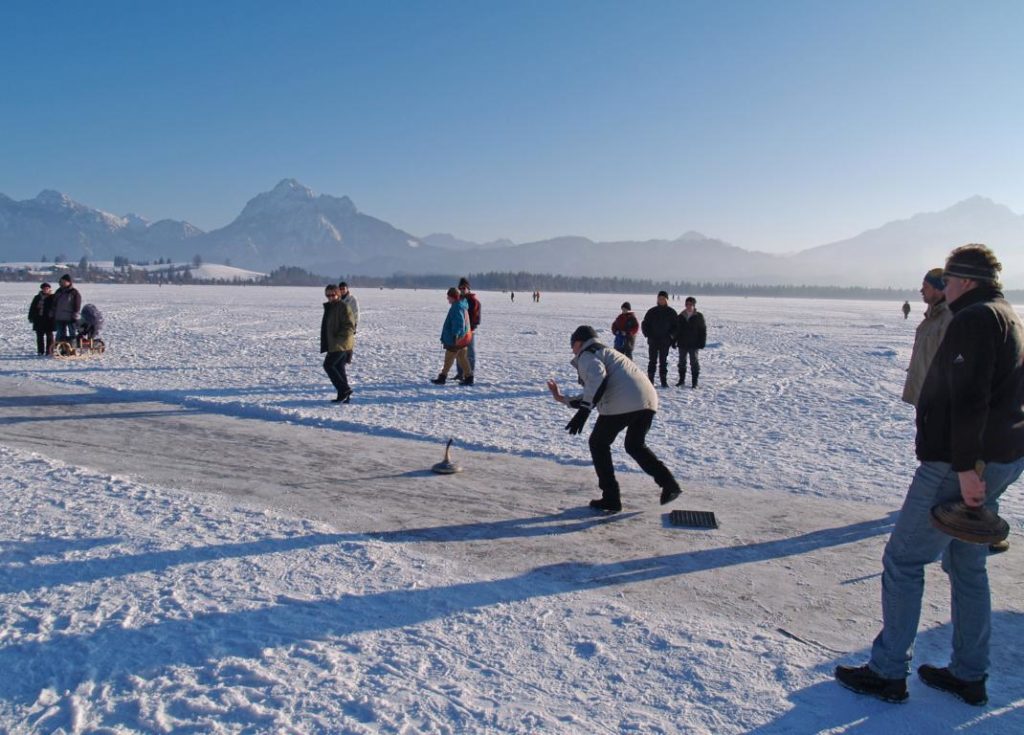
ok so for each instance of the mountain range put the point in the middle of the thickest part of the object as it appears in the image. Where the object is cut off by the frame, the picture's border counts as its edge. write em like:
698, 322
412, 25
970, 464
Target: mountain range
291, 225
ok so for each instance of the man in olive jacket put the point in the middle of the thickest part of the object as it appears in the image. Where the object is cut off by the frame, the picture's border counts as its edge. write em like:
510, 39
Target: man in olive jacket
970, 442
337, 339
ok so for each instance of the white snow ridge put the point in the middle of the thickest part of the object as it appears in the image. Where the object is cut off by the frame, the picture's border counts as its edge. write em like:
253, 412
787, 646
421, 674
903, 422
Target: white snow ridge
194, 539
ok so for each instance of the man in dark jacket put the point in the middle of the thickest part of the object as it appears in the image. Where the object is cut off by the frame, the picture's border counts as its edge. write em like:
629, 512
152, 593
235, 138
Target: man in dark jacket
970, 442
67, 305
40, 314
337, 339
691, 336
658, 326
473, 307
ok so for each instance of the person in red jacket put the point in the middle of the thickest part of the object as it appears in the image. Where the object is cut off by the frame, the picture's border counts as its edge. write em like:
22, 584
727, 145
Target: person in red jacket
625, 328
473, 305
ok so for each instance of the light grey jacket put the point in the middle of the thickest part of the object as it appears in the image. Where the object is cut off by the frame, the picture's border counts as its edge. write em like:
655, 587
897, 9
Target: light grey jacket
353, 306
626, 387
927, 339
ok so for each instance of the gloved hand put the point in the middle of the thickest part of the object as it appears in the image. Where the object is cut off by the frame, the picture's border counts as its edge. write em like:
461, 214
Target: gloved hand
576, 424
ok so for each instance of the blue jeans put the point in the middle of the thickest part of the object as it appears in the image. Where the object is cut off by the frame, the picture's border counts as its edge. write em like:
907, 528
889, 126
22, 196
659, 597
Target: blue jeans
66, 331
470, 355
915, 543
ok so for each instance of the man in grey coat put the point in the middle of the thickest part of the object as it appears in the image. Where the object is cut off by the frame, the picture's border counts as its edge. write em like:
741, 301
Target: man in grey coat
625, 399
929, 333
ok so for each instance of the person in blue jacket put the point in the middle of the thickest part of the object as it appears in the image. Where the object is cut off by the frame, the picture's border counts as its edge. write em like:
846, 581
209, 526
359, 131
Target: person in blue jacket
456, 335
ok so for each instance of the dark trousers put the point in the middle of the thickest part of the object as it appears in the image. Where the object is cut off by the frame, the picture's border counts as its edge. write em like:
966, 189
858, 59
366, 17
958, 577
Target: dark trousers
694, 366
636, 424
44, 342
658, 358
334, 366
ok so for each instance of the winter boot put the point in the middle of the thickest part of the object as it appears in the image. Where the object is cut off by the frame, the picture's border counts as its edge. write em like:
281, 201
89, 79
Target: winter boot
863, 680
468, 380
972, 692
606, 505
669, 494
441, 379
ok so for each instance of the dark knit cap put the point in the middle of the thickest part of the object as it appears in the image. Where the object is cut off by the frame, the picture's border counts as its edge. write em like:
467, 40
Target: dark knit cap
934, 279
44, 285
463, 282
582, 334
626, 306
663, 293
976, 263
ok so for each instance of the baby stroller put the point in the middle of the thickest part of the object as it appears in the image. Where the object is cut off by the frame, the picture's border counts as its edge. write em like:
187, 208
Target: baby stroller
87, 340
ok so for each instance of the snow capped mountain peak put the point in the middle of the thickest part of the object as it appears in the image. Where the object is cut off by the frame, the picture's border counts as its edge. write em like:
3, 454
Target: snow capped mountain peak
52, 198
691, 235
135, 221
292, 189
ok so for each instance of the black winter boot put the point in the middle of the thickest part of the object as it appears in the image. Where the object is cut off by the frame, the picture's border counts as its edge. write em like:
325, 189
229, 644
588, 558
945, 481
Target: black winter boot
863, 680
972, 692
606, 505
441, 379
468, 380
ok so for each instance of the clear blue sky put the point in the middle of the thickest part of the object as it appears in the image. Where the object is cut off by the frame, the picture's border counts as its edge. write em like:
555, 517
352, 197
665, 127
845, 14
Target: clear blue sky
773, 125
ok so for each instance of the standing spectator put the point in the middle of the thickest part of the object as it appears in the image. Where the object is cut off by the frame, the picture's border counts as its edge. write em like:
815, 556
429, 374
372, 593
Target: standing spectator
349, 299
337, 339
970, 442
456, 336
691, 336
67, 305
658, 326
473, 307
40, 314
615, 386
929, 334
625, 328
906, 309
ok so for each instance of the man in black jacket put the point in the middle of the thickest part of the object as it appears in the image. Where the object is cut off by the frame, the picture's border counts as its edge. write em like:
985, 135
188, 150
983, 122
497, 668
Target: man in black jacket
658, 326
691, 336
970, 442
40, 314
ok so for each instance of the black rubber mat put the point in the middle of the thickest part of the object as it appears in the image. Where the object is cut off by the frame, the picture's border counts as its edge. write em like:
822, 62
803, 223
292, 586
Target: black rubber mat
693, 518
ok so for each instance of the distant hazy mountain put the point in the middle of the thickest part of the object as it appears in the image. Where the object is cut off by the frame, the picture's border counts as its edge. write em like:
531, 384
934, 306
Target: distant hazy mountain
900, 252
53, 224
290, 225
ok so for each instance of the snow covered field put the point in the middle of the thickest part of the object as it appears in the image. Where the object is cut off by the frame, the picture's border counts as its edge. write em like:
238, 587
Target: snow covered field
168, 567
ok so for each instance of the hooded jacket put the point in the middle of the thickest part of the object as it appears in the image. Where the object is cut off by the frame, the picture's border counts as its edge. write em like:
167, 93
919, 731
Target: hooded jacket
972, 403
456, 324
612, 383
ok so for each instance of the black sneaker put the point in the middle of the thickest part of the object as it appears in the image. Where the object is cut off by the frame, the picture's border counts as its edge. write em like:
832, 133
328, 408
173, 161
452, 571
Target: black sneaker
606, 506
972, 692
668, 495
863, 680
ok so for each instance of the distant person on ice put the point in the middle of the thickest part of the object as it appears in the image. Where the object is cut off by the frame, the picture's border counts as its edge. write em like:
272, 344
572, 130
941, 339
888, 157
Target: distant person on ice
456, 335
970, 417
67, 307
690, 337
929, 334
337, 339
658, 326
906, 309
40, 314
625, 328
473, 309
615, 386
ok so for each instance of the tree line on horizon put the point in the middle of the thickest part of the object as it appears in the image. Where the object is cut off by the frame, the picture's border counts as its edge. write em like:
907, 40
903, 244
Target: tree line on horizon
502, 281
